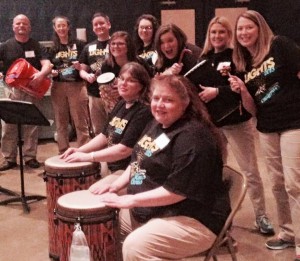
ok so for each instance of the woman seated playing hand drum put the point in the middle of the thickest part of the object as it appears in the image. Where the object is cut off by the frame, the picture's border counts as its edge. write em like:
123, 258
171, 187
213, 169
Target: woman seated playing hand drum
177, 202
123, 128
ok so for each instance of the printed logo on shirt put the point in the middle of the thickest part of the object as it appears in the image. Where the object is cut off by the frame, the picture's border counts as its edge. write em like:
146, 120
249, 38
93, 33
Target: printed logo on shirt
266, 68
118, 124
148, 144
267, 94
137, 175
71, 54
147, 55
98, 52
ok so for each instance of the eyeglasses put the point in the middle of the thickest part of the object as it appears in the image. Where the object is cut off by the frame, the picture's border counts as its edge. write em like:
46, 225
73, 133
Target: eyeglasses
129, 80
117, 44
147, 28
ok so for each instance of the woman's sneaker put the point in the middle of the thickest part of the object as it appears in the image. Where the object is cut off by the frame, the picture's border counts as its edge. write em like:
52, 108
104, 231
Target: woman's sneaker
264, 225
279, 244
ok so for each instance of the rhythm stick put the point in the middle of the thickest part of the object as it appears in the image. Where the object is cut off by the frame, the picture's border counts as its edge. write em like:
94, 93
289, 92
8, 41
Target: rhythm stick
195, 67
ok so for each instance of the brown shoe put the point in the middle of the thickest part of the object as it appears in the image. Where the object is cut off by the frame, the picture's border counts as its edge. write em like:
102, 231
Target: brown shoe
6, 165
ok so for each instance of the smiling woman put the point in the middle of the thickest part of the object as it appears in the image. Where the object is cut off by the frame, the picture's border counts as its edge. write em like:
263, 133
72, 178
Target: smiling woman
173, 185
170, 44
69, 93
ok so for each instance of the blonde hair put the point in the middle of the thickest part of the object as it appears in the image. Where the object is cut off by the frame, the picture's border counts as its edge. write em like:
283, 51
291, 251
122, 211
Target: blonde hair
226, 24
262, 45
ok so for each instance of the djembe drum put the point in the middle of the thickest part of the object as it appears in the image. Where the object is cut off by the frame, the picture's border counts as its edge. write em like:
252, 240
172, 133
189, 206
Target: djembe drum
108, 90
61, 178
98, 222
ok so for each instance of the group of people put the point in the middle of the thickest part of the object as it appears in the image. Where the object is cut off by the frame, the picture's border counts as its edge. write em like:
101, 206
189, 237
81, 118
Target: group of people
163, 142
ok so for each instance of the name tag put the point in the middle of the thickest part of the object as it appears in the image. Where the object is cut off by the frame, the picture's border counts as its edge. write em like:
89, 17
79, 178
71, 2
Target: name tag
223, 65
92, 47
162, 141
29, 54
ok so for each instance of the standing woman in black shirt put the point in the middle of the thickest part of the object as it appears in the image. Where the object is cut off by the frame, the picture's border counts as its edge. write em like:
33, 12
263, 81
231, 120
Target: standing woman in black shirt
271, 91
173, 55
69, 93
144, 33
228, 114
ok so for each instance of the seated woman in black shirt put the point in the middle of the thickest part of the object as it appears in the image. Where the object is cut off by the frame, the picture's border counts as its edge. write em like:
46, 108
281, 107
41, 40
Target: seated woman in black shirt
176, 201
124, 126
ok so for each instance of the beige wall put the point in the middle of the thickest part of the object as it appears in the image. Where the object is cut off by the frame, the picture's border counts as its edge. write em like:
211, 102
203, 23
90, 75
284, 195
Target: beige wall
185, 19
230, 13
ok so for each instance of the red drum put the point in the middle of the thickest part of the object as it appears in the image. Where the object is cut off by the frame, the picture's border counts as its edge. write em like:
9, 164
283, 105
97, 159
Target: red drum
61, 178
19, 75
98, 222
108, 90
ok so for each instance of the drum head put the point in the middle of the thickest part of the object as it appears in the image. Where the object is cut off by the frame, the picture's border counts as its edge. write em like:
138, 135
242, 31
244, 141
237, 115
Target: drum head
58, 168
85, 206
82, 199
106, 78
58, 163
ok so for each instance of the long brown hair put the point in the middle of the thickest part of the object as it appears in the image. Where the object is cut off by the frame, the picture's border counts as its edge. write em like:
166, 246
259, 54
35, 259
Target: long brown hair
262, 45
179, 35
55, 37
131, 51
138, 41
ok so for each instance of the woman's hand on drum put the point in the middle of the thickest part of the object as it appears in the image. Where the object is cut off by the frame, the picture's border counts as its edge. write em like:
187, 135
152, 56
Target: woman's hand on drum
208, 93
99, 189
115, 201
78, 157
68, 152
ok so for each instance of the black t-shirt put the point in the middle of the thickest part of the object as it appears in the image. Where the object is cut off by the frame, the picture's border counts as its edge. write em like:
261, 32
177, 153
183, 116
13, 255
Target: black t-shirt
226, 108
185, 160
12, 50
275, 87
62, 57
125, 127
93, 55
188, 60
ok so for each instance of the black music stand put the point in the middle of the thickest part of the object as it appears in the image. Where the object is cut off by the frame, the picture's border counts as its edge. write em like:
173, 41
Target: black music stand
21, 113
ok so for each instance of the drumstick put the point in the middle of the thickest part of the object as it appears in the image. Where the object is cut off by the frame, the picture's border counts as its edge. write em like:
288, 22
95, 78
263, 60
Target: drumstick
185, 50
194, 68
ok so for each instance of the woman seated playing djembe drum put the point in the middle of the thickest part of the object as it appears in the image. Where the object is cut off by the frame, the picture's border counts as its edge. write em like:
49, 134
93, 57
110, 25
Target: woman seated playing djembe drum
123, 128
176, 201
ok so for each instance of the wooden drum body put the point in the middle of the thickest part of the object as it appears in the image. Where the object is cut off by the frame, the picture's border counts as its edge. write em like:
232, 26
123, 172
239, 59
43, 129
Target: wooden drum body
61, 178
98, 222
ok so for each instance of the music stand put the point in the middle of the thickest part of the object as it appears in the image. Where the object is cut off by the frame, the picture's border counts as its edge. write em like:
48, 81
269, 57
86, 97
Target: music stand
21, 113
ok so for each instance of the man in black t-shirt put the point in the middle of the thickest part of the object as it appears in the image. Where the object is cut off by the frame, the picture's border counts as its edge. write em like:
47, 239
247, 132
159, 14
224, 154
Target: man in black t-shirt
22, 46
91, 59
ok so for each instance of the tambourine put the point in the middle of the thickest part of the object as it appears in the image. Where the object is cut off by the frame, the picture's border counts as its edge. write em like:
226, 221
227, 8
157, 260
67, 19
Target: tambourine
108, 92
19, 75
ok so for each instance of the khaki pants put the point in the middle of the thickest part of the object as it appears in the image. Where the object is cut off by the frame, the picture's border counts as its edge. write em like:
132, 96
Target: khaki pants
70, 98
9, 139
282, 157
98, 114
240, 138
168, 238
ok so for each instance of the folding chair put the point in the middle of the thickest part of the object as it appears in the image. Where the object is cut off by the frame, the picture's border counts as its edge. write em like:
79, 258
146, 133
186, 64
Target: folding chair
237, 190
